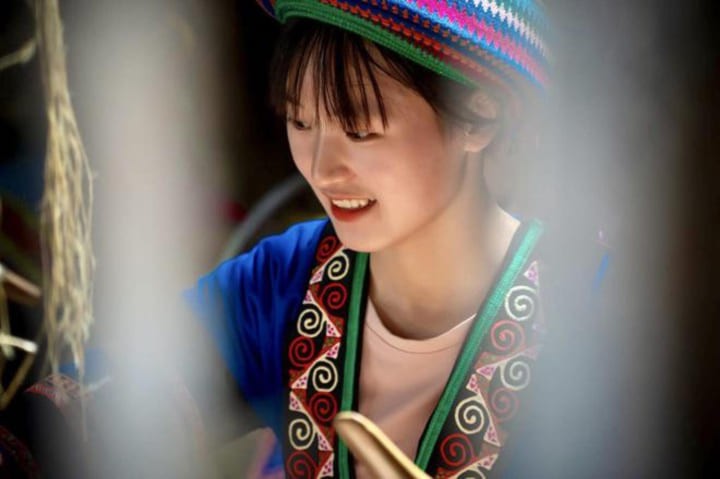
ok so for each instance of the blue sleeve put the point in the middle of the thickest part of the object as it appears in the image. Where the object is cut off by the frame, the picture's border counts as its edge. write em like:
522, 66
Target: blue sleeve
245, 304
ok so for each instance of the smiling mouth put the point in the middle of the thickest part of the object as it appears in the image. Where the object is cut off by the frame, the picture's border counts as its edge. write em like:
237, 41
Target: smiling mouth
353, 204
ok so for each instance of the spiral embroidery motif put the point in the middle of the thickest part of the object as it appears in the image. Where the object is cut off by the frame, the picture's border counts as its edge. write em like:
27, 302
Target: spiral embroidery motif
456, 450
520, 302
327, 248
470, 416
504, 404
476, 429
311, 322
323, 407
301, 466
302, 350
334, 296
301, 433
338, 267
315, 352
324, 376
516, 373
506, 336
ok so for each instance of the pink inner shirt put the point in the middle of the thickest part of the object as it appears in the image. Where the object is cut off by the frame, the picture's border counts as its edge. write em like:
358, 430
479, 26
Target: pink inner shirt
401, 379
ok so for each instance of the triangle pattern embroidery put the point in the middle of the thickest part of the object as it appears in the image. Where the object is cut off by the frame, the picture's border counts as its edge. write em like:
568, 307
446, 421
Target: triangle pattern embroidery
533, 273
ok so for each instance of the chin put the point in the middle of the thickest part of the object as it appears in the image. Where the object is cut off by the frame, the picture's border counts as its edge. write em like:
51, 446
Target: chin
362, 242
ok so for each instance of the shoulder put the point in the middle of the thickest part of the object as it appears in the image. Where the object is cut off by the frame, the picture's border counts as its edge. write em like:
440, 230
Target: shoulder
246, 302
285, 256
269, 276
297, 243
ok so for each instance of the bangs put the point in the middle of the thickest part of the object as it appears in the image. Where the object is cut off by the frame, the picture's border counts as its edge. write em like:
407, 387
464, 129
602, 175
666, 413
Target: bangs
343, 67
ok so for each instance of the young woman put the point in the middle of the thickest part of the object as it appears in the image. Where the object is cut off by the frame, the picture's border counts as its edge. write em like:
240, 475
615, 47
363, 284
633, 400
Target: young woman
414, 303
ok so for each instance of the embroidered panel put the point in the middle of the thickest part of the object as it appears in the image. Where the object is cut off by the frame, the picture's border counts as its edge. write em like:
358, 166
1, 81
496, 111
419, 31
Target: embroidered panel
315, 361
476, 428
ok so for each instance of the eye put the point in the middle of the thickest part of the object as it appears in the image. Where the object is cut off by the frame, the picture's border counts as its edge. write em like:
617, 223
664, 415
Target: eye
298, 124
361, 135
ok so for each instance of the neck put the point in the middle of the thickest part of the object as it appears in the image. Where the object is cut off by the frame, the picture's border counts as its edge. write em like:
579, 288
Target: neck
430, 282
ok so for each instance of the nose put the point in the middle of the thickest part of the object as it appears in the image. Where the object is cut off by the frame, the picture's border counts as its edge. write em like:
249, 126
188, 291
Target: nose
329, 163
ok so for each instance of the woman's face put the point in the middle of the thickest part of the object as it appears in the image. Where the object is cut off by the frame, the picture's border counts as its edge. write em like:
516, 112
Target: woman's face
379, 186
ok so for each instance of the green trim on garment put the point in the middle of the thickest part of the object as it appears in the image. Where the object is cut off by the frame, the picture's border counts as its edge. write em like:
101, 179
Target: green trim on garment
485, 317
351, 344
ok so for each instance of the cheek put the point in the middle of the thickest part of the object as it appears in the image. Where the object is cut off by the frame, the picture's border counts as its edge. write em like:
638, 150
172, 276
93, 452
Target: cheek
418, 169
301, 152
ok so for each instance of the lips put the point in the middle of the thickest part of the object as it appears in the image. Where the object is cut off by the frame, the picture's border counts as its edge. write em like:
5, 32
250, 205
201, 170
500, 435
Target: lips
350, 209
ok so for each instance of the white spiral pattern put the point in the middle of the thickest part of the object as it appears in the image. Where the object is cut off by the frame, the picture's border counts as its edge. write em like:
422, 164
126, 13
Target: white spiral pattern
520, 302
516, 374
301, 433
324, 376
470, 415
338, 267
310, 322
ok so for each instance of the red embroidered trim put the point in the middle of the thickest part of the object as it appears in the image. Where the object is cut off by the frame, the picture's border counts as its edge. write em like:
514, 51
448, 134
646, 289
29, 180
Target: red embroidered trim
315, 361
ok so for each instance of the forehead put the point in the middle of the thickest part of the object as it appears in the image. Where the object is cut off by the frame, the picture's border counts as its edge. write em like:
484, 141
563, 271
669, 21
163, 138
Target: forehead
354, 81
372, 86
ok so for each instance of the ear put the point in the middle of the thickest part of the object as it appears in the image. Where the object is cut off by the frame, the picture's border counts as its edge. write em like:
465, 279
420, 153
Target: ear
484, 106
480, 134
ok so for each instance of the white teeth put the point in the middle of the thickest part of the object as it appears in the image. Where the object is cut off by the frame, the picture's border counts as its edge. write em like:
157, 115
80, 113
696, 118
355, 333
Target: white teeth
352, 204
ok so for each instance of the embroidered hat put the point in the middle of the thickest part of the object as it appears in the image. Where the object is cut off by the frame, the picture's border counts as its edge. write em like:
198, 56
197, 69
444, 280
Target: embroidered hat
469, 41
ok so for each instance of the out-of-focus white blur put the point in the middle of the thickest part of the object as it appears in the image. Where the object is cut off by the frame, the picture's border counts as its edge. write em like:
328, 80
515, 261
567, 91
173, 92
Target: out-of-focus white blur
617, 149
145, 79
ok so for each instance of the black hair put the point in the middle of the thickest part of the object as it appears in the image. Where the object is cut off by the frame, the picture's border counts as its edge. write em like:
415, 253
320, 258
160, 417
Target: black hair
343, 67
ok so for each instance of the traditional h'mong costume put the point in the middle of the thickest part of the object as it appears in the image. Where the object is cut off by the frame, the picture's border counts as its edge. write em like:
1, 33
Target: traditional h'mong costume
289, 317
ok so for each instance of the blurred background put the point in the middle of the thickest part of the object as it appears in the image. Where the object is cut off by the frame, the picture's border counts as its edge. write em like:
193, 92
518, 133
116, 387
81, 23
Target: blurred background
171, 100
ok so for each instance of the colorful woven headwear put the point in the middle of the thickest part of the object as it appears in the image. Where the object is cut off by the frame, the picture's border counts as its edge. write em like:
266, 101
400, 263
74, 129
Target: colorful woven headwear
470, 41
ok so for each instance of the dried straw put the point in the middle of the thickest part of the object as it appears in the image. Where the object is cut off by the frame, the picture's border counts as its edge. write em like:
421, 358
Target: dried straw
68, 262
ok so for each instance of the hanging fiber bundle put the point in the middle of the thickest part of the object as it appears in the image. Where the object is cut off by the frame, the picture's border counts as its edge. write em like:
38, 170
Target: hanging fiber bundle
68, 262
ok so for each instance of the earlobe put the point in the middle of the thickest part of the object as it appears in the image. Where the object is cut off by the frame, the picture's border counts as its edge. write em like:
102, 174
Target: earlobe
478, 137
